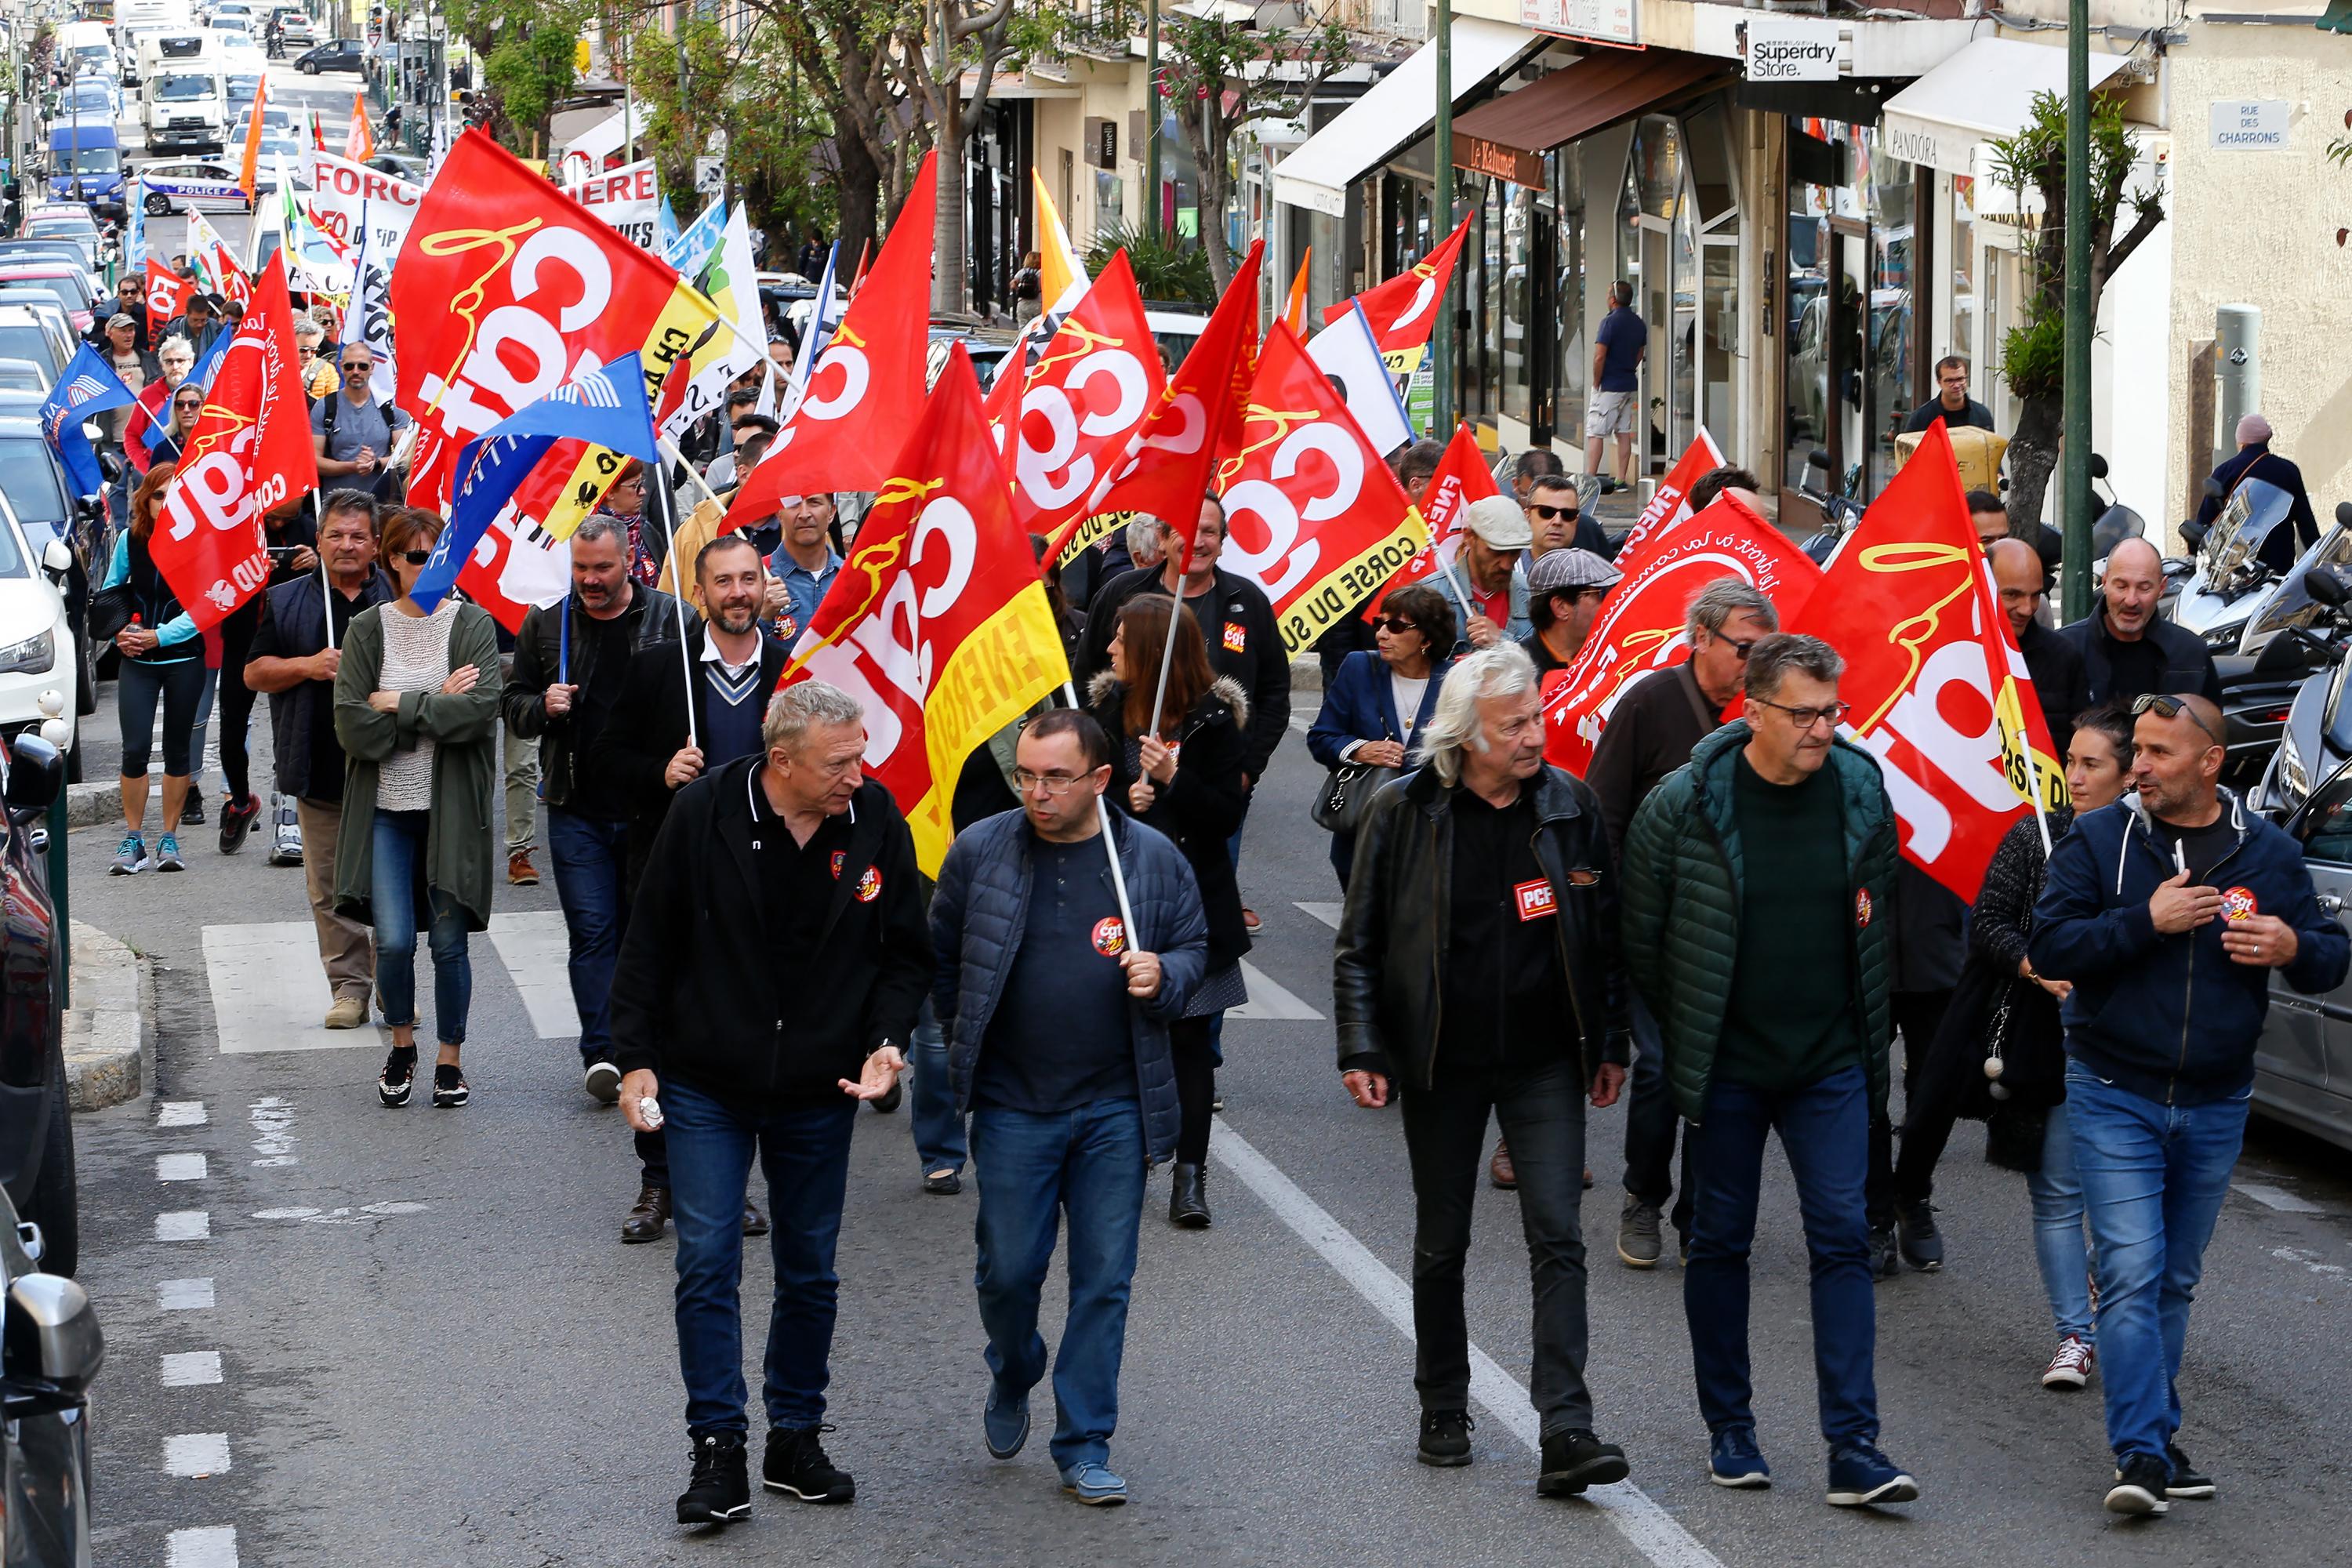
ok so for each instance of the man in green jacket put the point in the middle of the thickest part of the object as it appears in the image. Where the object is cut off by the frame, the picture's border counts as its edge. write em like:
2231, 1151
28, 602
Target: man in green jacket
1754, 881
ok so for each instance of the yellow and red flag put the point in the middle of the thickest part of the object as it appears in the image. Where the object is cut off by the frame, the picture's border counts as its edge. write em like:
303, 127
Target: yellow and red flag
1938, 691
938, 622
1404, 310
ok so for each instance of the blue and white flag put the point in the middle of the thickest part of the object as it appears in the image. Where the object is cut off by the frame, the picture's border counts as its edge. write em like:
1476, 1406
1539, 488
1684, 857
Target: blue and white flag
690, 250
604, 408
89, 386
134, 248
821, 325
665, 226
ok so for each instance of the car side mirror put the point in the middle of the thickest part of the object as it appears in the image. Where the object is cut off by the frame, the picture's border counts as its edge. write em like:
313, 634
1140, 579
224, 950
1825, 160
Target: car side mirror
111, 464
50, 1340
57, 559
37, 774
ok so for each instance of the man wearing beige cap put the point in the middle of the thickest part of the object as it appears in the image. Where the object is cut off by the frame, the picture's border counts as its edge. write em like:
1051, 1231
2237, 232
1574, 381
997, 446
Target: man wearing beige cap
2254, 460
1565, 588
1493, 533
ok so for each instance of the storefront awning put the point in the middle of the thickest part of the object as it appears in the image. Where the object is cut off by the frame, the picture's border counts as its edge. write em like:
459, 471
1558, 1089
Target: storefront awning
1508, 137
1984, 92
1394, 113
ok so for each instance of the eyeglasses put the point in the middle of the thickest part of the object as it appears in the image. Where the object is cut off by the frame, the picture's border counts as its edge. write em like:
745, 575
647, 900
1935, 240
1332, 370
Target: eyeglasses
1398, 624
1054, 785
1739, 650
1806, 718
1567, 513
2173, 708
415, 557
306, 353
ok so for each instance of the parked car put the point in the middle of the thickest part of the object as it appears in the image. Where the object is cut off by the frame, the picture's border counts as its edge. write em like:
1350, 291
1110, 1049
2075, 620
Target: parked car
343, 55
195, 184
25, 336
51, 1354
36, 1152
23, 376
69, 284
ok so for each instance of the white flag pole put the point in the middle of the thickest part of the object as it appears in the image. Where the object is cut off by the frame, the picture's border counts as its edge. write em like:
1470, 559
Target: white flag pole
1110, 846
659, 480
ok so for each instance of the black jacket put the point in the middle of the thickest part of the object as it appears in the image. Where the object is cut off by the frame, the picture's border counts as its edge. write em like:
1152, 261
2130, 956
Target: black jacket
298, 610
1649, 733
1245, 641
2187, 663
2055, 663
2259, 462
539, 661
648, 725
692, 989
1385, 985
1201, 805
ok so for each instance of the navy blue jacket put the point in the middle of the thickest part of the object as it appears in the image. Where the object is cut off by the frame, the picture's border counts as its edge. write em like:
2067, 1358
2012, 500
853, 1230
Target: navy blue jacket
2172, 1018
981, 907
2188, 662
1361, 706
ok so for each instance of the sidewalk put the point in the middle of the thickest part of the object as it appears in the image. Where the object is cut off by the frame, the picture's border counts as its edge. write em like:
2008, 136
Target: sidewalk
108, 1045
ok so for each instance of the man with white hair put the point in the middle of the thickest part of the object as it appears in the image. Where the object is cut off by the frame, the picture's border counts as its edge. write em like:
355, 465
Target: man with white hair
2254, 460
1477, 971
774, 962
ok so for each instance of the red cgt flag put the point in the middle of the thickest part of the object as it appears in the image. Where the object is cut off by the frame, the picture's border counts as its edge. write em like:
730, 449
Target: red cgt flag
1670, 504
865, 384
1938, 691
1080, 405
167, 296
1404, 310
938, 622
1313, 516
1462, 477
1640, 629
250, 451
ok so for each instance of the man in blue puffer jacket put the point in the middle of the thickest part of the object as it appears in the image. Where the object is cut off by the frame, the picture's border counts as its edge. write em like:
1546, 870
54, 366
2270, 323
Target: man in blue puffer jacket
2168, 910
1056, 1018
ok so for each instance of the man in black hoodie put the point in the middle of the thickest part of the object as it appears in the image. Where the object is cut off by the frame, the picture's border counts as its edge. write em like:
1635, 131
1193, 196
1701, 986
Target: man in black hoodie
773, 969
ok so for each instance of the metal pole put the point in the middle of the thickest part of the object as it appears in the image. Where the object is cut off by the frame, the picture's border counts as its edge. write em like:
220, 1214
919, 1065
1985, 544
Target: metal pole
1442, 339
57, 899
1152, 118
2074, 596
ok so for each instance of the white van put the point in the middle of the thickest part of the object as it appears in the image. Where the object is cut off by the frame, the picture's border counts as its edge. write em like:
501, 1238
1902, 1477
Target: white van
90, 49
134, 19
184, 100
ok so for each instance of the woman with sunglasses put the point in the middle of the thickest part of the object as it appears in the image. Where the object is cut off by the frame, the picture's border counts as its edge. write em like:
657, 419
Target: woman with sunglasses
162, 663
1185, 780
625, 500
187, 408
416, 710
1379, 699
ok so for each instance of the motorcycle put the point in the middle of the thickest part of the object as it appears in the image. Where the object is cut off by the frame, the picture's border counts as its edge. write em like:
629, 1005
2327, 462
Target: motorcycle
2315, 743
1837, 503
2229, 580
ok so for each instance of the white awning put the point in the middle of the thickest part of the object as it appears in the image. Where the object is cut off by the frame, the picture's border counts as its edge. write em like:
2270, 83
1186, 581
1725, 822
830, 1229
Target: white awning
1394, 113
1983, 92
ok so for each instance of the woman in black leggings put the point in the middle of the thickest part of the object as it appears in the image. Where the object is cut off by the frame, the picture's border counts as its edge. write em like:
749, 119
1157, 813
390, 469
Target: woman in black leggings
162, 662
293, 540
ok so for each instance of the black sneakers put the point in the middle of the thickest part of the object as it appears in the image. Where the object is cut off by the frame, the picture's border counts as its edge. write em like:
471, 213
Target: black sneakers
2186, 1480
720, 1489
796, 1464
2142, 1481
1885, 1258
399, 1076
1575, 1459
1922, 1243
1445, 1436
449, 1085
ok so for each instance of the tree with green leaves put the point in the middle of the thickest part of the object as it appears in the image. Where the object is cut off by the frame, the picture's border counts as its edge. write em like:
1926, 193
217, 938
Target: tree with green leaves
845, 54
526, 47
2033, 353
955, 36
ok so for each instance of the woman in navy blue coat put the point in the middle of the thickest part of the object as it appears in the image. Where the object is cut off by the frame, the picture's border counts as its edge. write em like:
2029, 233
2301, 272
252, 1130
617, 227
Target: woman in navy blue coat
1379, 701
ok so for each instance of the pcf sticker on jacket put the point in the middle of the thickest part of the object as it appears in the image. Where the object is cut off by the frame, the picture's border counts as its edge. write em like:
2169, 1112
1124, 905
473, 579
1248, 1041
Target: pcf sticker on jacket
1535, 900
2238, 904
1110, 936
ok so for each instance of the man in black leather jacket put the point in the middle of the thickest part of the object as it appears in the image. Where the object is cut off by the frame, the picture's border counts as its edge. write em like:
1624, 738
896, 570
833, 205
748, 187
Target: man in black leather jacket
1477, 969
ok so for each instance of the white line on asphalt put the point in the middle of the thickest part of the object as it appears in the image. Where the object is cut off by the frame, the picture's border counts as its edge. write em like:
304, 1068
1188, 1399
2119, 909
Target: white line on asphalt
1300, 722
1268, 1001
537, 953
190, 1369
267, 993
273, 1125
2276, 1198
180, 1113
1327, 913
196, 1454
1645, 1525
183, 1225
213, 1546
185, 1296
179, 1167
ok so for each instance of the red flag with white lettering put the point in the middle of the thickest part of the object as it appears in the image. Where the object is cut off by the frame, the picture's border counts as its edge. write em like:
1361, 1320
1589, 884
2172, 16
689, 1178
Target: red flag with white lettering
1082, 402
250, 451
1462, 477
1312, 515
938, 622
866, 382
167, 296
1938, 692
1404, 310
1640, 628
1670, 503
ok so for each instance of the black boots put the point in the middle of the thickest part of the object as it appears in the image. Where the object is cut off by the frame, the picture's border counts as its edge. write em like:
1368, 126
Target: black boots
1188, 1200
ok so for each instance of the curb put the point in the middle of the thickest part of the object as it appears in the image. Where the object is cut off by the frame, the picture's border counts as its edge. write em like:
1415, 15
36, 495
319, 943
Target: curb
90, 805
1305, 675
105, 1029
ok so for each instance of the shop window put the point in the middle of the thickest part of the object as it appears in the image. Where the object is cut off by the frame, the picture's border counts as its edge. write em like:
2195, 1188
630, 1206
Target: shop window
1964, 274
1713, 163
1575, 277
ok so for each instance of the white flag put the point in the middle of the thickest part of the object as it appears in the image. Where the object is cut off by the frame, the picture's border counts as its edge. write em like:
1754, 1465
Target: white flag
1347, 352
732, 283
368, 318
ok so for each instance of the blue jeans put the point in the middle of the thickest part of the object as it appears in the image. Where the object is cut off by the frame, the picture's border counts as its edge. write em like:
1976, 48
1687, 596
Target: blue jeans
2153, 1178
591, 860
395, 894
1651, 1121
1824, 1128
931, 1104
1088, 1164
805, 1154
2058, 1244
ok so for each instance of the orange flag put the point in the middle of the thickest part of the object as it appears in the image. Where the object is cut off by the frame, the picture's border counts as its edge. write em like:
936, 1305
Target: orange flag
359, 146
1294, 315
245, 170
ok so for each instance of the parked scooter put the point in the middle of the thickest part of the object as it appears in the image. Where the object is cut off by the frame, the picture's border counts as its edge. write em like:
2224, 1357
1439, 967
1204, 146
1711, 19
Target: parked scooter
1837, 502
2230, 580
2315, 740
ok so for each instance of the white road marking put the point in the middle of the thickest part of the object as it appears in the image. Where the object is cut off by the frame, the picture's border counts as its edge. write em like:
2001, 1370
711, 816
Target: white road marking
537, 951
1327, 913
1268, 1001
185, 1296
1301, 722
1648, 1528
268, 992
180, 1167
2309, 1259
190, 1369
339, 1216
196, 1454
213, 1546
272, 1120
180, 1113
2278, 1198
183, 1225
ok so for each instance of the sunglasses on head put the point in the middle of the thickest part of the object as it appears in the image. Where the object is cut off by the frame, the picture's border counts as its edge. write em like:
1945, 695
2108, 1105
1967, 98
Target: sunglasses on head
2172, 708
1548, 512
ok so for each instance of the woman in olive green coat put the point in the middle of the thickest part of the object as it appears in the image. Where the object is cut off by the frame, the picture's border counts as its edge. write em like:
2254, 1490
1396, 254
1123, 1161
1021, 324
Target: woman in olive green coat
416, 708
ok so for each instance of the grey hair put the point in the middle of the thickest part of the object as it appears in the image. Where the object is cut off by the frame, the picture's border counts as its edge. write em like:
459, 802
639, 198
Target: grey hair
1714, 605
1143, 545
176, 341
602, 525
304, 327
1772, 658
1502, 670
793, 709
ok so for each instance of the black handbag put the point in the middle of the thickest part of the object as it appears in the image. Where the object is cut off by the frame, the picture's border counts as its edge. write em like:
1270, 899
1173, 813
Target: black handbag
1339, 805
108, 611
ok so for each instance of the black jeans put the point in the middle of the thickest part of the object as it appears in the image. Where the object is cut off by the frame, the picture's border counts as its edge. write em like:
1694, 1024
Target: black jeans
1652, 1122
1196, 1085
236, 703
1542, 1115
1917, 1016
